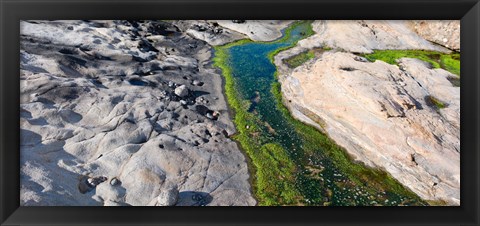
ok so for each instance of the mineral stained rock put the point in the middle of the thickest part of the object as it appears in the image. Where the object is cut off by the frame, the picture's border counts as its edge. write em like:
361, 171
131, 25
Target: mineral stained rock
382, 114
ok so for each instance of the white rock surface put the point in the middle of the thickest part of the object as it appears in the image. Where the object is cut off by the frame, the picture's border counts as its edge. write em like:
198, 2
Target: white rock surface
364, 36
208, 31
168, 197
258, 30
95, 101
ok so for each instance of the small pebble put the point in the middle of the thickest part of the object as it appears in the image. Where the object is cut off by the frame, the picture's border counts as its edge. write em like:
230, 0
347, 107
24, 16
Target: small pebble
114, 181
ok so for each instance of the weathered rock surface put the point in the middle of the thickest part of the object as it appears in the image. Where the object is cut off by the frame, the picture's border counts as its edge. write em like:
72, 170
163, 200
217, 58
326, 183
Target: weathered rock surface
364, 36
258, 30
220, 32
168, 197
381, 113
442, 32
208, 31
96, 101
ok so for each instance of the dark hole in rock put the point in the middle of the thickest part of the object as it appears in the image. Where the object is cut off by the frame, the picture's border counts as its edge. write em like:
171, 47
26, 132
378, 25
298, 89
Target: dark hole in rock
175, 115
97, 24
161, 146
225, 133
97, 41
73, 94
66, 51
170, 68
197, 93
87, 30
162, 28
129, 121
133, 23
208, 133
347, 69
84, 49
98, 83
101, 57
137, 82
140, 59
76, 60
145, 46
115, 41
201, 109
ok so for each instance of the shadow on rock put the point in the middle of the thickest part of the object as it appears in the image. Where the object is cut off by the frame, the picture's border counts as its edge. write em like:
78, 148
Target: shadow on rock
43, 172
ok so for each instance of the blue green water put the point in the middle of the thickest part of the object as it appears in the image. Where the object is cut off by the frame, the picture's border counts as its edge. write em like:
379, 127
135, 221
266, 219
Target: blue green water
319, 179
254, 75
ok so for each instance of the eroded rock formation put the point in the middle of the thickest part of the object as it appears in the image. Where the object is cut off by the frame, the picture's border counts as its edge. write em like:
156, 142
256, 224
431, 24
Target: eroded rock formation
127, 102
384, 115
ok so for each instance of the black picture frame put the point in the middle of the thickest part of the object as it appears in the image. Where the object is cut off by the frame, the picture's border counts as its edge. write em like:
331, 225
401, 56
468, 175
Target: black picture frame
12, 11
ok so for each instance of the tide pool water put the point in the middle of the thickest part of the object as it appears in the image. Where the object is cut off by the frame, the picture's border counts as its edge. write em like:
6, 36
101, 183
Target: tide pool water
293, 163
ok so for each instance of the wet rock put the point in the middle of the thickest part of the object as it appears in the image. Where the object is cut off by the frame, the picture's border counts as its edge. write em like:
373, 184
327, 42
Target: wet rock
181, 91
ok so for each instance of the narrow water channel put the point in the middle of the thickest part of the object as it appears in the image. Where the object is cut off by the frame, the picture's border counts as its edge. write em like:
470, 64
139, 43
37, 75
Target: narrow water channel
293, 164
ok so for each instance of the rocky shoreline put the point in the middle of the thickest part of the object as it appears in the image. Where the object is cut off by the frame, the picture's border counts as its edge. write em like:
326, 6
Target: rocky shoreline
126, 113
381, 114
120, 113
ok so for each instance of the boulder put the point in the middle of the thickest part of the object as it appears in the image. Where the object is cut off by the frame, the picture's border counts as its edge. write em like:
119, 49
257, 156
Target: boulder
168, 197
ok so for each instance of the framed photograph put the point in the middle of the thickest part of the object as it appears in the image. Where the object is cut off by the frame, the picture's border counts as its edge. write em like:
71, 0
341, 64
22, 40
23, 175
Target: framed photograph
239, 112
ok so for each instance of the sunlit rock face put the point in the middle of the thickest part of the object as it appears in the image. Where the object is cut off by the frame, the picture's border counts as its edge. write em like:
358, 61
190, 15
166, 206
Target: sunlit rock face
442, 32
115, 113
384, 115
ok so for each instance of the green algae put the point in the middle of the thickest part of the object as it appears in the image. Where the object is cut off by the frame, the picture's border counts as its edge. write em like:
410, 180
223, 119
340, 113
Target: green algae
294, 163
